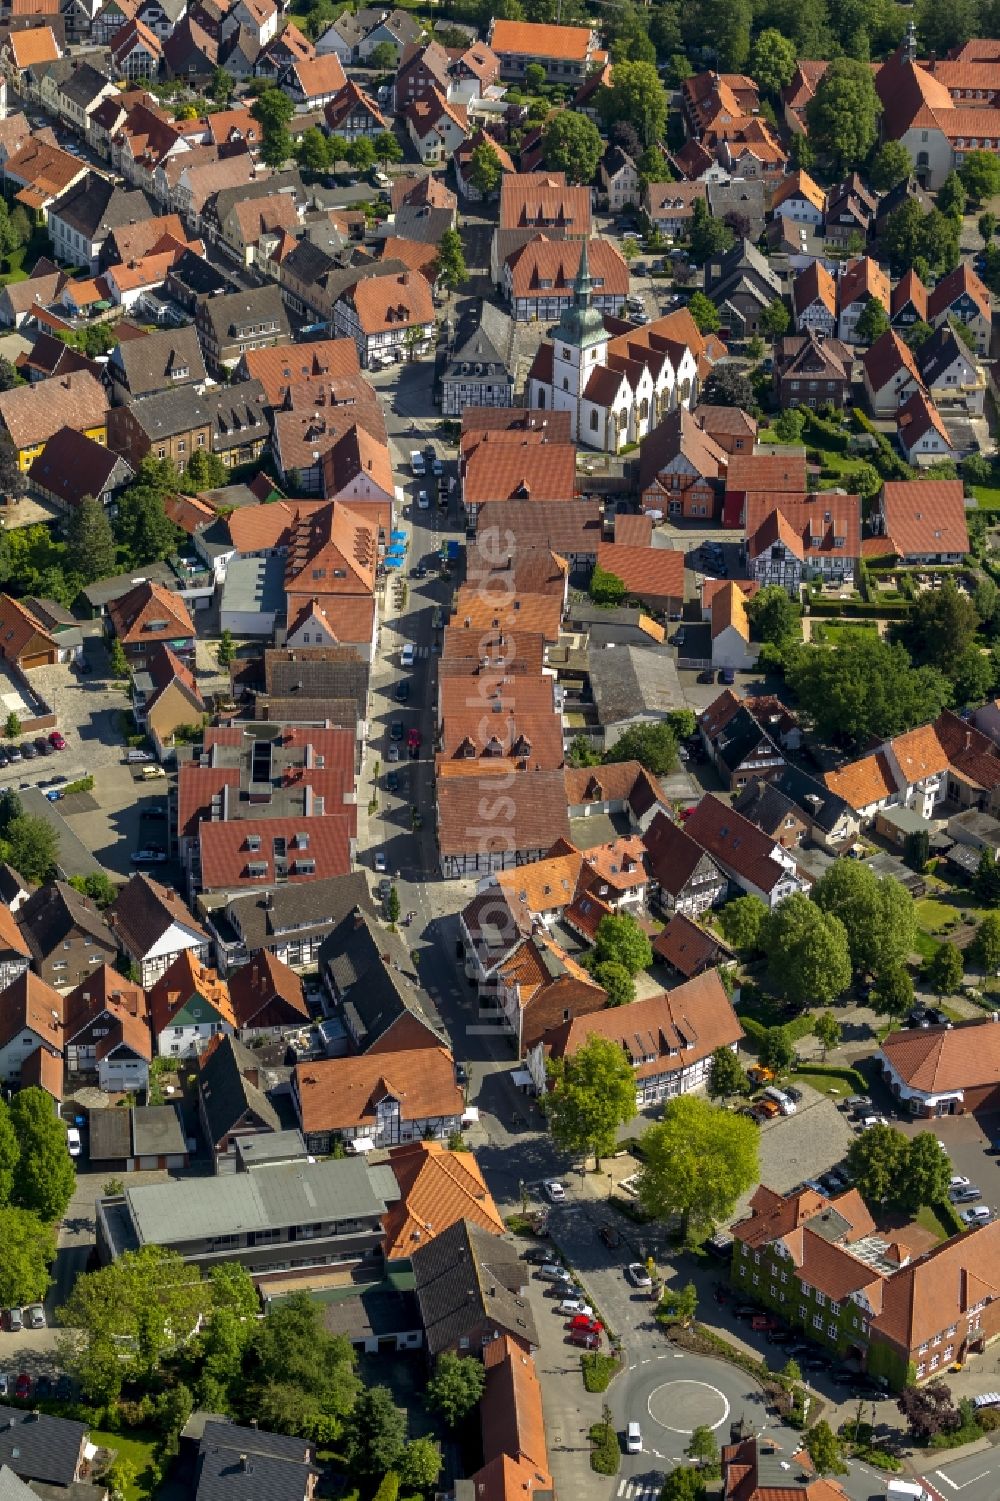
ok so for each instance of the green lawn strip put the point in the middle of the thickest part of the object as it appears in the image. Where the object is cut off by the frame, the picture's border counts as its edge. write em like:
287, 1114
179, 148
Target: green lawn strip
928, 1220
599, 1370
838, 1085
925, 945
140, 1451
987, 497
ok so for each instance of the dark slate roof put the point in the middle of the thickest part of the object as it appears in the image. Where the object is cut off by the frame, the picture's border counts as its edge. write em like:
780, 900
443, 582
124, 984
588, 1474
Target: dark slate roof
84, 84
939, 351
236, 413
417, 221
221, 202
312, 679
199, 276
94, 206
11, 883
227, 1095
812, 797
739, 197
308, 262
740, 737
484, 342
466, 1277
39, 1447
373, 975
147, 365
765, 806
52, 912
243, 1464
228, 314
743, 265
263, 916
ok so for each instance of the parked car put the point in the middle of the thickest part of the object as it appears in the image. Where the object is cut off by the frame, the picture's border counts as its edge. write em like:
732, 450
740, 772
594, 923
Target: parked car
396, 729
554, 1191
965, 1195
584, 1338
633, 1439
35, 1316
64, 1388
28, 751
572, 1307
588, 1322
383, 889
638, 1275
979, 1214
551, 1271
73, 1141
148, 856
15, 1320
379, 861
44, 1387
43, 747
536, 1255
402, 691
392, 781
22, 1388
958, 1180
57, 741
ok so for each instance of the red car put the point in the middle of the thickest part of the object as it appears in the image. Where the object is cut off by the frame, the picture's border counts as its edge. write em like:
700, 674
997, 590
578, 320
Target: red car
56, 741
585, 1338
22, 1388
586, 1323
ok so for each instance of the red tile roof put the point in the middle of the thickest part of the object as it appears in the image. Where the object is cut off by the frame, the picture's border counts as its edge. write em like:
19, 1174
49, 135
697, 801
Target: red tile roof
924, 517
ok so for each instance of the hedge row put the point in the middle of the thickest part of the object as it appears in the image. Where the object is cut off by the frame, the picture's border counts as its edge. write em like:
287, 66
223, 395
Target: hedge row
605, 1454
949, 1217
859, 607
828, 1071
801, 1027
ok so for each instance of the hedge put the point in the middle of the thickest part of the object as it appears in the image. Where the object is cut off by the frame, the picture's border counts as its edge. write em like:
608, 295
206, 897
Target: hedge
949, 1216
605, 1454
859, 607
599, 1370
827, 1070
801, 1027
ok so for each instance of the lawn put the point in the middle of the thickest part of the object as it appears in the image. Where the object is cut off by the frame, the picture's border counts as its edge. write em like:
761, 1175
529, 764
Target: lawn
837, 1086
928, 1220
935, 917
139, 1447
835, 466
987, 497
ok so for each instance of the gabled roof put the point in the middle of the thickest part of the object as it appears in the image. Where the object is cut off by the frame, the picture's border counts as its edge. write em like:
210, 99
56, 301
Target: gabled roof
924, 517
814, 284
672, 856
532, 39
29, 1002
862, 279
437, 1188
134, 614
229, 1091
735, 842
863, 783
53, 913
188, 980
909, 290
343, 1094
887, 357
687, 947
799, 185
32, 414
144, 911
917, 417
963, 281
467, 1278
19, 629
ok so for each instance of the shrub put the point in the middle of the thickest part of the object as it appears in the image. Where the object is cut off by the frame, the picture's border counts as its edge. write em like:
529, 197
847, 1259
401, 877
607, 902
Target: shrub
605, 1455
825, 1070
598, 1370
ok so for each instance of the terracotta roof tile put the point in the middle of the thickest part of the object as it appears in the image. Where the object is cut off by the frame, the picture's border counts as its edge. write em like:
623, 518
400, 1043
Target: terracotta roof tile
652, 573
343, 1094
32, 414
185, 978
886, 358
437, 1188
531, 39
925, 517
863, 783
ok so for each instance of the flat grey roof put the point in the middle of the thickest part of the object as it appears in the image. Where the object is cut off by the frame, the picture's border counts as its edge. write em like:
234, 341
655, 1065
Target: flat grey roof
74, 858
270, 1147
157, 1130
110, 1135
291, 1193
254, 584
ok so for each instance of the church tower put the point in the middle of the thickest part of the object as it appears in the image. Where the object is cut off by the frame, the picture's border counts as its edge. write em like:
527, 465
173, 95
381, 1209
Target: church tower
579, 345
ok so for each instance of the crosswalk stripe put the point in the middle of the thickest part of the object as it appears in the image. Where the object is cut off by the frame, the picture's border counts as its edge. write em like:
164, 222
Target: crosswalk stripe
621, 1486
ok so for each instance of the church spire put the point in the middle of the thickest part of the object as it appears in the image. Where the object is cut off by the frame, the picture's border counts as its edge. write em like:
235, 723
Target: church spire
583, 286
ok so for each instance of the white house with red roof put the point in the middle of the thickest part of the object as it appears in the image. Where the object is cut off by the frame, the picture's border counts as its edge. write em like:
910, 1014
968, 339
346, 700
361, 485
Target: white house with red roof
924, 520
802, 536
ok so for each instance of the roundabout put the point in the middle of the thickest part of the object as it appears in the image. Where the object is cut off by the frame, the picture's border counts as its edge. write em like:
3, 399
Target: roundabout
684, 1405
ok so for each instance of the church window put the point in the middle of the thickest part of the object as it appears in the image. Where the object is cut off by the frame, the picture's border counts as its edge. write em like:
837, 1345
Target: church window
541, 398
565, 382
593, 422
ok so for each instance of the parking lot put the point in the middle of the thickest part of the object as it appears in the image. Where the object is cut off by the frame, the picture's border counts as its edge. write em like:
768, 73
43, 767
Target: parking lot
967, 1140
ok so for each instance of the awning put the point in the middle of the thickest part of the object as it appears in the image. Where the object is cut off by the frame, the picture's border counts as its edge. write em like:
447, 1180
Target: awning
397, 537
360, 1145
521, 1079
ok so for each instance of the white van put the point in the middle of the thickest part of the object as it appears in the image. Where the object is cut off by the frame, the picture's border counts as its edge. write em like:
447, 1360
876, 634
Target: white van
784, 1104
406, 655
633, 1439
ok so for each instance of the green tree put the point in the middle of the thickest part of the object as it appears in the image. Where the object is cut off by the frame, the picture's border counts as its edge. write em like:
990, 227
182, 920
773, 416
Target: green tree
456, 1387
773, 61
704, 1450
44, 1175
877, 1160
141, 527
637, 95
807, 951
742, 923
942, 626
892, 992
708, 237
300, 1375
685, 1483
9, 1153
535, 78
122, 1476
392, 905
226, 651
420, 1465
980, 176
620, 939
222, 87
824, 1449
873, 322
32, 846
917, 334
10, 808
485, 170
12, 725
843, 114
892, 164
29, 1247
697, 1162
387, 148
582, 753
775, 318
863, 687
727, 386
777, 1051
876, 911
917, 849
683, 723
616, 980
312, 152
361, 154
571, 143
589, 1096
9, 377
927, 1174
987, 226
90, 544
652, 745
606, 588
728, 23
952, 197
945, 969
705, 313
984, 949
986, 881
774, 616
826, 1030
384, 56
377, 1433
98, 886
273, 110
451, 268
945, 24
789, 425
726, 1076
117, 661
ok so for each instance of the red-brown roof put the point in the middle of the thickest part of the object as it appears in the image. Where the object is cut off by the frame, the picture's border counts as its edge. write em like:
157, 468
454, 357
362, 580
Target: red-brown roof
924, 517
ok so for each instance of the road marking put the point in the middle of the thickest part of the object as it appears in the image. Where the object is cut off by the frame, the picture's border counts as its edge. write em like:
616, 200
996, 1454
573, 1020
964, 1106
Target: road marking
960, 1486
621, 1486
707, 1387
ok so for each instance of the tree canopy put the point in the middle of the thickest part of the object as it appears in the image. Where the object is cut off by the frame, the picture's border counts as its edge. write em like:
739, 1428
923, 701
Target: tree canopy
892, 164
876, 912
899, 1172
652, 745
864, 688
697, 1162
637, 95
843, 114
620, 940
773, 61
571, 143
807, 949
456, 1387
44, 1175
742, 922
590, 1095
29, 1246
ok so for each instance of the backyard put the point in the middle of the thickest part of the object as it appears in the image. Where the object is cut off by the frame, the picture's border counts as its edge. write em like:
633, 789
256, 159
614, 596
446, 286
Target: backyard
139, 1449
836, 466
